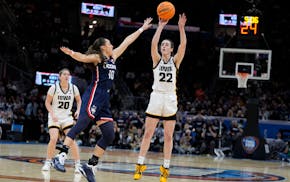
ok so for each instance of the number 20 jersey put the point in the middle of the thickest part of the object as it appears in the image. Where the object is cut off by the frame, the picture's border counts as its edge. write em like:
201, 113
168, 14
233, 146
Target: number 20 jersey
62, 102
165, 76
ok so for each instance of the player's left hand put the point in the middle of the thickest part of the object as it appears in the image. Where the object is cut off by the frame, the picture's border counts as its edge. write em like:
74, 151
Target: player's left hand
182, 20
76, 115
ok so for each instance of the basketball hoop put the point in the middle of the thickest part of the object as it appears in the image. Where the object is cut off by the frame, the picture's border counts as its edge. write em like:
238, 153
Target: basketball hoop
242, 78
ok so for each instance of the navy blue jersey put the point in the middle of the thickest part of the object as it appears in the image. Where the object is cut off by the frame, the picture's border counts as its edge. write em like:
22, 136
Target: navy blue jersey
104, 74
96, 99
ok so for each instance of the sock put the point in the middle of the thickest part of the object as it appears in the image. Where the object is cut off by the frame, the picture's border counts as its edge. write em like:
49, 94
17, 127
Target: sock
77, 162
140, 160
166, 163
63, 148
93, 160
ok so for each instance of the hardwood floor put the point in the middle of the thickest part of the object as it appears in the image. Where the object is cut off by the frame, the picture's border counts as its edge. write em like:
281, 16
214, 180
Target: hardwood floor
23, 162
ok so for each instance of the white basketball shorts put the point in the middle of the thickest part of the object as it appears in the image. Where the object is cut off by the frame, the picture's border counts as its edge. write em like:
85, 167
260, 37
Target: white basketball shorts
162, 104
62, 123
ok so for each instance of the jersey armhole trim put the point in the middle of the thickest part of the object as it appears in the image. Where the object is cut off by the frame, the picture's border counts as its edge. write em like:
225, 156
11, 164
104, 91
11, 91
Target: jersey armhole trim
73, 87
54, 89
157, 64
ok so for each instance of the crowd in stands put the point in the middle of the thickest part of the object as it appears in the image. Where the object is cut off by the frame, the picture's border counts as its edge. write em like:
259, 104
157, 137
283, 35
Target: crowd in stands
41, 31
196, 131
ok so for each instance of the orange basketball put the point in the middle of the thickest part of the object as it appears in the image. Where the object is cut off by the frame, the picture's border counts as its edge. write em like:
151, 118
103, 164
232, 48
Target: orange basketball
165, 10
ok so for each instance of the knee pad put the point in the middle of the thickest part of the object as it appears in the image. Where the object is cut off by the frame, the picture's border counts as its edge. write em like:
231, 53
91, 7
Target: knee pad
108, 135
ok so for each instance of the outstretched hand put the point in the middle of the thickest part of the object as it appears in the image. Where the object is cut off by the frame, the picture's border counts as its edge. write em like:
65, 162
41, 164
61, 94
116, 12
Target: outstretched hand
66, 50
147, 23
182, 20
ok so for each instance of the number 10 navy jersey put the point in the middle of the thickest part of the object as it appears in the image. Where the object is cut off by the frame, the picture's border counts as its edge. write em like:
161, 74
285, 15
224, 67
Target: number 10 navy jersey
104, 74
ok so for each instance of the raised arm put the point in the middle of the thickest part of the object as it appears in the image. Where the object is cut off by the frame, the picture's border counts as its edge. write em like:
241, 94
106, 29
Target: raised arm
118, 51
90, 58
178, 57
154, 43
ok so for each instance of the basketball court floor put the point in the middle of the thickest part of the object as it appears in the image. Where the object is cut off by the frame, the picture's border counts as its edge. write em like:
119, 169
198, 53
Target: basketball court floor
23, 162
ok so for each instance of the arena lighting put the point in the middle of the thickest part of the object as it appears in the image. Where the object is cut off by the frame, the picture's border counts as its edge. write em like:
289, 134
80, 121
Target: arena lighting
126, 22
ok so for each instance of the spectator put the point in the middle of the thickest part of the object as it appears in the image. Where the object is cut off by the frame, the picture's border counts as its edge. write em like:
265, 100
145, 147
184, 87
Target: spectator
236, 131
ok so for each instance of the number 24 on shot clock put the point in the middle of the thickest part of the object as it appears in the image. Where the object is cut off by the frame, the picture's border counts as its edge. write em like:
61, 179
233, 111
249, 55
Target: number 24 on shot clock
249, 25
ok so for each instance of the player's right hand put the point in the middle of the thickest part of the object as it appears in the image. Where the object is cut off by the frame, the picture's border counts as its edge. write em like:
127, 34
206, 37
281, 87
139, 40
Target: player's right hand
162, 22
54, 118
66, 50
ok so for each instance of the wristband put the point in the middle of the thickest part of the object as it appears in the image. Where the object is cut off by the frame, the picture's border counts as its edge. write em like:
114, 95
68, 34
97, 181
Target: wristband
141, 30
72, 52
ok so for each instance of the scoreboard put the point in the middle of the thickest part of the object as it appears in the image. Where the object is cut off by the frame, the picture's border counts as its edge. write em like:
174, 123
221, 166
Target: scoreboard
245, 26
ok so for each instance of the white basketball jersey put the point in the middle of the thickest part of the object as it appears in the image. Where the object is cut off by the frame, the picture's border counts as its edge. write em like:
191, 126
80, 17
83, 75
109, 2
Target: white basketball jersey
62, 102
165, 76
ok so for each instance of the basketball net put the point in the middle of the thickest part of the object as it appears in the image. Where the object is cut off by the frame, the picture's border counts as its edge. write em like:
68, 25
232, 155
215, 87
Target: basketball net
242, 79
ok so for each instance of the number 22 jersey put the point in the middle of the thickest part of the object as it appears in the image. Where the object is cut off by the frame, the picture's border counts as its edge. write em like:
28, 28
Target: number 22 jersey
165, 76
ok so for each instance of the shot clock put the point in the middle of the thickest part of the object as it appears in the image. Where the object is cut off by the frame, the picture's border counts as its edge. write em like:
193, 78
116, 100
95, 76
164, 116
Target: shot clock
246, 29
249, 26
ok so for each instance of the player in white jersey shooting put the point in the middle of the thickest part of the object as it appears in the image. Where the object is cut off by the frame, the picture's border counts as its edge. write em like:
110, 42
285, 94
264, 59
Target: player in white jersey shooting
59, 102
163, 99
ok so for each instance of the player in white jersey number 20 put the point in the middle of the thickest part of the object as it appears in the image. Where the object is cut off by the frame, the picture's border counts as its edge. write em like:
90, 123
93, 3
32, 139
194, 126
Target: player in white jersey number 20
59, 102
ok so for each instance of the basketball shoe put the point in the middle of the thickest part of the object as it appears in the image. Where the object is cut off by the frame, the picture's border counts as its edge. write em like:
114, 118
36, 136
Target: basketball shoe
88, 172
46, 176
47, 165
77, 167
164, 174
58, 162
140, 168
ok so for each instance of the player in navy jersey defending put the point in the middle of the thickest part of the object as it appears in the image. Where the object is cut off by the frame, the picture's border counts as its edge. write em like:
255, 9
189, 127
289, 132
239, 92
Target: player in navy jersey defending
95, 100
163, 99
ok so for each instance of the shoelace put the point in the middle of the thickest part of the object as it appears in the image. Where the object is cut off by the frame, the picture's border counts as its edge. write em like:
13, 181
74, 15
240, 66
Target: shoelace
165, 173
138, 171
62, 158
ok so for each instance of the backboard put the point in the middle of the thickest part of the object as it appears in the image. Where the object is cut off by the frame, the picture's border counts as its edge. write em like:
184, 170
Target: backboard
256, 62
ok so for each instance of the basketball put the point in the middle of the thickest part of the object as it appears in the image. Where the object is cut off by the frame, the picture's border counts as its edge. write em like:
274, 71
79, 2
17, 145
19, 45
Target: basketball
165, 10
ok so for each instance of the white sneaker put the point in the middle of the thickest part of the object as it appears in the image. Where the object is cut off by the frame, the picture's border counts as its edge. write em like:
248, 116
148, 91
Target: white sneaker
46, 176
216, 151
62, 157
77, 177
77, 166
46, 166
221, 153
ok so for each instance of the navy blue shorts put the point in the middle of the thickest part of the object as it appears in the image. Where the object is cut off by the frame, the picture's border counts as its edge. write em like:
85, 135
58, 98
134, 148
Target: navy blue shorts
95, 104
